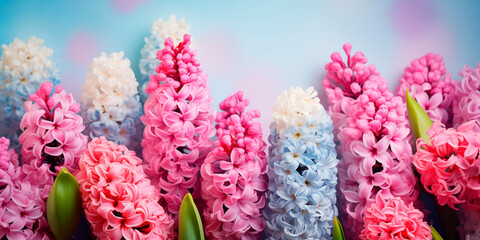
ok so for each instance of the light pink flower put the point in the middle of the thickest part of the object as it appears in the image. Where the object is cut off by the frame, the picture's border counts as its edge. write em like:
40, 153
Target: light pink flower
466, 105
449, 165
118, 199
52, 130
234, 174
427, 83
178, 124
393, 219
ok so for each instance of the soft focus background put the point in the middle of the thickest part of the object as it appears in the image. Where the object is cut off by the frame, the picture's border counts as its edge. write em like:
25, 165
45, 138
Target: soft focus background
262, 48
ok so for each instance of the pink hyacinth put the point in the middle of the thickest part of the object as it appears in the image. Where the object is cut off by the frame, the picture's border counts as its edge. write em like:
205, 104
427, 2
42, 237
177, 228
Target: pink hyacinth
118, 199
234, 174
466, 105
376, 154
22, 197
344, 83
427, 83
178, 124
394, 219
52, 130
449, 164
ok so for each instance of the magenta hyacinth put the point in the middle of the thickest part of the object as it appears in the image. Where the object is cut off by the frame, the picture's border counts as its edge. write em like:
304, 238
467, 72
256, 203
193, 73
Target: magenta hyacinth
466, 105
23, 193
394, 219
234, 174
178, 124
52, 130
449, 164
344, 83
118, 199
427, 83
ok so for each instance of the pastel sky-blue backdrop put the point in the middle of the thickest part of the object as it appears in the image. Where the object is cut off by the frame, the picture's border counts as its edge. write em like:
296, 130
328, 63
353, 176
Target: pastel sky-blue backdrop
260, 47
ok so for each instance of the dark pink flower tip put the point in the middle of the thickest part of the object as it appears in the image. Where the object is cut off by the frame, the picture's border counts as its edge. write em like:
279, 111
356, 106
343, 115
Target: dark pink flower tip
178, 124
234, 174
118, 199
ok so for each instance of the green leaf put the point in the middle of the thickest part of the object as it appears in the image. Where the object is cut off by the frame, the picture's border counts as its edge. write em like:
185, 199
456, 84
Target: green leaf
420, 122
64, 205
190, 224
337, 230
435, 235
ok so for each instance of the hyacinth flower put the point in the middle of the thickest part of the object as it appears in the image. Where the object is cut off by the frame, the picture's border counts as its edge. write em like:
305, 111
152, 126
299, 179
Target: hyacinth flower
119, 201
160, 31
302, 170
23, 192
429, 84
466, 105
235, 174
376, 154
52, 130
343, 83
23, 67
110, 100
394, 219
178, 124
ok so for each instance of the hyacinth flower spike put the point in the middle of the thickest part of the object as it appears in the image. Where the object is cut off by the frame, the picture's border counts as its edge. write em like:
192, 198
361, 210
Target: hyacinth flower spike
420, 123
337, 230
64, 205
190, 224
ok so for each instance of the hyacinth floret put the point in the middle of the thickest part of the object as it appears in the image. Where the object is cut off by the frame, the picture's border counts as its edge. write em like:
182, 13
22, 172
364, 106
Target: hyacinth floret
52, 130
449, 164
178, 124
394, 219
376, 154
429, 84
110, 101
22, 197
23, 67
160, 31
235, 174
302, 170
467, 96
119, 201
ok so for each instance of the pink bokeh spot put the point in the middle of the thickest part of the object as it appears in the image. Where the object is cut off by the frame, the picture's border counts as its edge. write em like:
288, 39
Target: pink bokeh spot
82, 47
126, 6
220, 48
412, 17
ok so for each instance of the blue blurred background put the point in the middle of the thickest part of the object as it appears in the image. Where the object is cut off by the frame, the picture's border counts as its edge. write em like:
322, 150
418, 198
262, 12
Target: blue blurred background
262, 48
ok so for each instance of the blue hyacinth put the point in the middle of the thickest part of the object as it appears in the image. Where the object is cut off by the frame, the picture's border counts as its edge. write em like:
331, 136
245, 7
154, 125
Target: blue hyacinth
302, 169
24, 66
153, 43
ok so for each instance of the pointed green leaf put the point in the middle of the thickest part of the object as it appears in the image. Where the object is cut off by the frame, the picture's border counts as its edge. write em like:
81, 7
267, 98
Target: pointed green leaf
64, 205
337, 230
190, 224
435, 235
420, 122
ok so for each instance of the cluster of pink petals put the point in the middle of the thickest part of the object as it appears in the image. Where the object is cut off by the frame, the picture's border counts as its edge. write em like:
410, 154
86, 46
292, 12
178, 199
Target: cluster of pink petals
449, 165
344, 83
466, 105
118, 199
178, 124
426, 82
23, 193
52, 129
393, 219
376, 152
234, 174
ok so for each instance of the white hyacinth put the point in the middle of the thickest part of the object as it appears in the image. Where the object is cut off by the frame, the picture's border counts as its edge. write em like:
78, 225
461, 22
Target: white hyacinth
24, 66
154, 42
296, 107
110, 101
